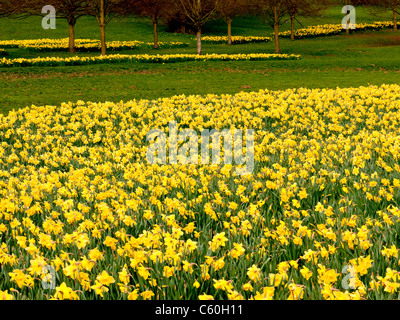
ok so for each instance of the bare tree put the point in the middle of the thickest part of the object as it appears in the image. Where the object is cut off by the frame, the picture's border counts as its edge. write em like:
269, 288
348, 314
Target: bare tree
197, 13
307, 8
393, 5
377, 6
273, 13
152, 9
228, 9
70, 10
104, 11
10, 7
177, 22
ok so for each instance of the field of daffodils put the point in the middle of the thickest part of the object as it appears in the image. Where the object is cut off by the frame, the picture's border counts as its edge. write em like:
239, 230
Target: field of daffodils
83, 215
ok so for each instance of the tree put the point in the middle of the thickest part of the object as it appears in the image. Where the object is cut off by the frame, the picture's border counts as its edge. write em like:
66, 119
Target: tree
197, 13
228, 9
104, 11
394, 6
303, 8
177, 22
378, 5
70, 10
10, 7
152, 9
273, 13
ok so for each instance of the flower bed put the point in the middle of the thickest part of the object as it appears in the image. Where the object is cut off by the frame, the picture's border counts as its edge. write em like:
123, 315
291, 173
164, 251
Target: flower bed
334, 29
235, 39
116, 58
83, 45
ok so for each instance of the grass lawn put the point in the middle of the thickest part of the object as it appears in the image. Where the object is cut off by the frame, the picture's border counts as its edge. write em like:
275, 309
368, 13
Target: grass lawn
327, 62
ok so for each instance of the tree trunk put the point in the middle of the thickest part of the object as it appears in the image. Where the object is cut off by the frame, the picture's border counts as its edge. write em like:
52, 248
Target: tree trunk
292, 27
348, 29
395, 19
229, 21
155, 32
71, 44
103, 40
276, 31
102, 29
199, 41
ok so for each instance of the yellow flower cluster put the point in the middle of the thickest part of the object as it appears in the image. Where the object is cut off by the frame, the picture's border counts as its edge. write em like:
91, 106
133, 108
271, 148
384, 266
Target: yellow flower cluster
43, 43
82, 44
332, 29
235, 39
153, 58
317, 219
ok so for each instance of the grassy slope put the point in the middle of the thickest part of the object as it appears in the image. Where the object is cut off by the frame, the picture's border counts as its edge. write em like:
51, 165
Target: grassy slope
369, 58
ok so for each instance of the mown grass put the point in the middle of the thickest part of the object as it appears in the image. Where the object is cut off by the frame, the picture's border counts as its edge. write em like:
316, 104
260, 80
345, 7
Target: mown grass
328, 62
